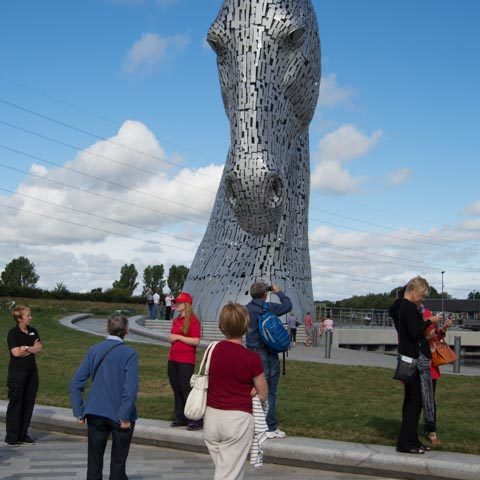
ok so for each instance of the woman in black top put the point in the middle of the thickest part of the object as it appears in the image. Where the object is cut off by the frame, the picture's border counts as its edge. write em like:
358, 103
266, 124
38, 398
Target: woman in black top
24, 343
411, 343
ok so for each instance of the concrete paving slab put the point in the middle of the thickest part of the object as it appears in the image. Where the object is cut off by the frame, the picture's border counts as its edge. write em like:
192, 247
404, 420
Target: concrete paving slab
294, 451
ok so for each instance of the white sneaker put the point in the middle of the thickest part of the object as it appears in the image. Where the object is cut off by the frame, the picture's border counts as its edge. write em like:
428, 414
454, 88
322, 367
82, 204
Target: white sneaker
276, 434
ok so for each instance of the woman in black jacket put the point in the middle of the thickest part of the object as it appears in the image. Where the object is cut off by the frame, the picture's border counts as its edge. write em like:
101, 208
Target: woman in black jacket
412, 343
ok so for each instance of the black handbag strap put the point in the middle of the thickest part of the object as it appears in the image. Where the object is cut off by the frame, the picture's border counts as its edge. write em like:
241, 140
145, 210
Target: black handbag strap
117, 344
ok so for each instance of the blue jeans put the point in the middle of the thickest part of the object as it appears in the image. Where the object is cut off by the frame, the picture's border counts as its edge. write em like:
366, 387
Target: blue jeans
271, 367
151, 311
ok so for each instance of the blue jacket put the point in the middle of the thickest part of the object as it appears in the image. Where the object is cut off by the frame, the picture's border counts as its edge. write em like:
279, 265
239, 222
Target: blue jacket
114, 390
255, 308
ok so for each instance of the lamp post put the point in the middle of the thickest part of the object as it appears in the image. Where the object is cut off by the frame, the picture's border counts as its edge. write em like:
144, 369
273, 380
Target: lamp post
443, 312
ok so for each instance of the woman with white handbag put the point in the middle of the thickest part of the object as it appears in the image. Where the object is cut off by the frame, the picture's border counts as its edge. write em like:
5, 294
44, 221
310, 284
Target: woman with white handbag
235, 376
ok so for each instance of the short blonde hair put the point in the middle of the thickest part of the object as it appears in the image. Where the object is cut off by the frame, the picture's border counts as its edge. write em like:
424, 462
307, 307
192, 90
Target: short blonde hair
418, 284
234, 320
18, 312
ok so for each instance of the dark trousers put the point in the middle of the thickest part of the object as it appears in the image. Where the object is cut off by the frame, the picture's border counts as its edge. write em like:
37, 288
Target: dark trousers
168, 313
99, 430
412, 406
179, 376
22, 391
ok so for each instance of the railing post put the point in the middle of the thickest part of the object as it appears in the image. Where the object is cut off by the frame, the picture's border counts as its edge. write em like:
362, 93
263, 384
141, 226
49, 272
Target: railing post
457, 347
328, 343
314, 336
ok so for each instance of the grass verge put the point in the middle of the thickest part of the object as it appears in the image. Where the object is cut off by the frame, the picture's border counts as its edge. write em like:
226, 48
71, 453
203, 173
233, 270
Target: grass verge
354, 404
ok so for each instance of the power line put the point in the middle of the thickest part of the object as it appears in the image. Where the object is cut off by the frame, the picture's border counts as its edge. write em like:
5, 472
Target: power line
183, 218
96, 115
87, 152
71, 105
47, 179
385, 235
374, 224
150, 230
94, 228
94, 135
118, 185
158, 158
414, 260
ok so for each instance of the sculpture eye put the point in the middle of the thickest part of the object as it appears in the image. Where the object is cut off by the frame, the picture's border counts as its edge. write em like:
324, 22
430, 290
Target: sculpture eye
217, 45
297, 36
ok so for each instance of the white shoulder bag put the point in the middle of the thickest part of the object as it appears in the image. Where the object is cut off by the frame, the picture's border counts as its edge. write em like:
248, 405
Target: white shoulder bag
197, 398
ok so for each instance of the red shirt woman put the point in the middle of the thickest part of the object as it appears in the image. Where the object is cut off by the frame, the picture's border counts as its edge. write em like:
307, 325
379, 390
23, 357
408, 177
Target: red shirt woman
184, 338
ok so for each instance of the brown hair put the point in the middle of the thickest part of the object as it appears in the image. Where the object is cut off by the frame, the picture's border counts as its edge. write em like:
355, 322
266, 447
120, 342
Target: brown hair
234, 320
17, 312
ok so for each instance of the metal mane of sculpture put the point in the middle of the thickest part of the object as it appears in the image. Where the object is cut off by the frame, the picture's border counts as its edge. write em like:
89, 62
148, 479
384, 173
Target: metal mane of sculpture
268, 57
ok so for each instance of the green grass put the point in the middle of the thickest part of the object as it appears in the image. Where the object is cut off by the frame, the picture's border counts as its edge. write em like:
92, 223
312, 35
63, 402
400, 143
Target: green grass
357, 404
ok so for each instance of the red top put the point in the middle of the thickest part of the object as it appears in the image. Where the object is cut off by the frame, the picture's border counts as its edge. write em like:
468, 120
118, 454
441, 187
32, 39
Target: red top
439, 335
179, 351
232, 370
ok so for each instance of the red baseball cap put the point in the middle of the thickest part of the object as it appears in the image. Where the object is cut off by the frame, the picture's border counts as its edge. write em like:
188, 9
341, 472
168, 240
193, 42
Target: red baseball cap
184, 297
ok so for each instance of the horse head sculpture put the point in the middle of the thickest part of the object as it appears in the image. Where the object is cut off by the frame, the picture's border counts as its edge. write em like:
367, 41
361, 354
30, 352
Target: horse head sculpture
268, 60
268, 57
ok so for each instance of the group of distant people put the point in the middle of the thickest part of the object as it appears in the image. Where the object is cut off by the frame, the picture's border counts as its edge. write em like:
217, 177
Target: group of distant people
238, 374
156, 308
293, 323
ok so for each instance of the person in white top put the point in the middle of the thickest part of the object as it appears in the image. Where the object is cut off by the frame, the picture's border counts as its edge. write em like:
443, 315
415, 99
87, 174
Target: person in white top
168, 305
328, 324
156, 302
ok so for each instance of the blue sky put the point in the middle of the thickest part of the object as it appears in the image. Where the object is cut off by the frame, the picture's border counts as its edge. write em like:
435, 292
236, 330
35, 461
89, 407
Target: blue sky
399, 102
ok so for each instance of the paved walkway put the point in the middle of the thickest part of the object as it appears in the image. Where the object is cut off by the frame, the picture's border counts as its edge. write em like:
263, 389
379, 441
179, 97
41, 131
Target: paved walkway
63, 457
62, 461
339, 356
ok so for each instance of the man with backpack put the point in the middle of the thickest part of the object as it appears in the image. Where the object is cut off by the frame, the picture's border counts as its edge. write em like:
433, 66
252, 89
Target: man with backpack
254, 341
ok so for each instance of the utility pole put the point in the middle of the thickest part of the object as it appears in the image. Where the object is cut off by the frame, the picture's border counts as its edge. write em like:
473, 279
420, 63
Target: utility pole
443, 311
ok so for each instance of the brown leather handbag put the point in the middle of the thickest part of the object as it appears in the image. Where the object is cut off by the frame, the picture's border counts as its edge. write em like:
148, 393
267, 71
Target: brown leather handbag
442, 353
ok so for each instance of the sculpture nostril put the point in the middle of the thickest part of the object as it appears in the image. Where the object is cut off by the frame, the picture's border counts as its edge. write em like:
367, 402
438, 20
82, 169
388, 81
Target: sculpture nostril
274, 191
230, 191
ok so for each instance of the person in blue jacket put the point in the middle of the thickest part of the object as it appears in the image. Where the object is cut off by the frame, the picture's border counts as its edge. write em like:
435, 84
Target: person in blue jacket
110, 404
271, 365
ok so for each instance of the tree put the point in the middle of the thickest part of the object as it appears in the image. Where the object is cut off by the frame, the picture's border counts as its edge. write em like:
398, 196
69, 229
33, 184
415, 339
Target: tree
176, 278
60, 289
20, 272
128, 277
153, 278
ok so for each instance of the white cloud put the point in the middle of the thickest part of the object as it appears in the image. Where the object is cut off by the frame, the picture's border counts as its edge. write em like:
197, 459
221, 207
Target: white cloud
150, 50
155, 213
137, 189
331, 93
347, 262
343, 145
400, 176
473, 209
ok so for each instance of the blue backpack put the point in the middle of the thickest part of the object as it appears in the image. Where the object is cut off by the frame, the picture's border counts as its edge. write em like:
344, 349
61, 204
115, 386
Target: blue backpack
272, 331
